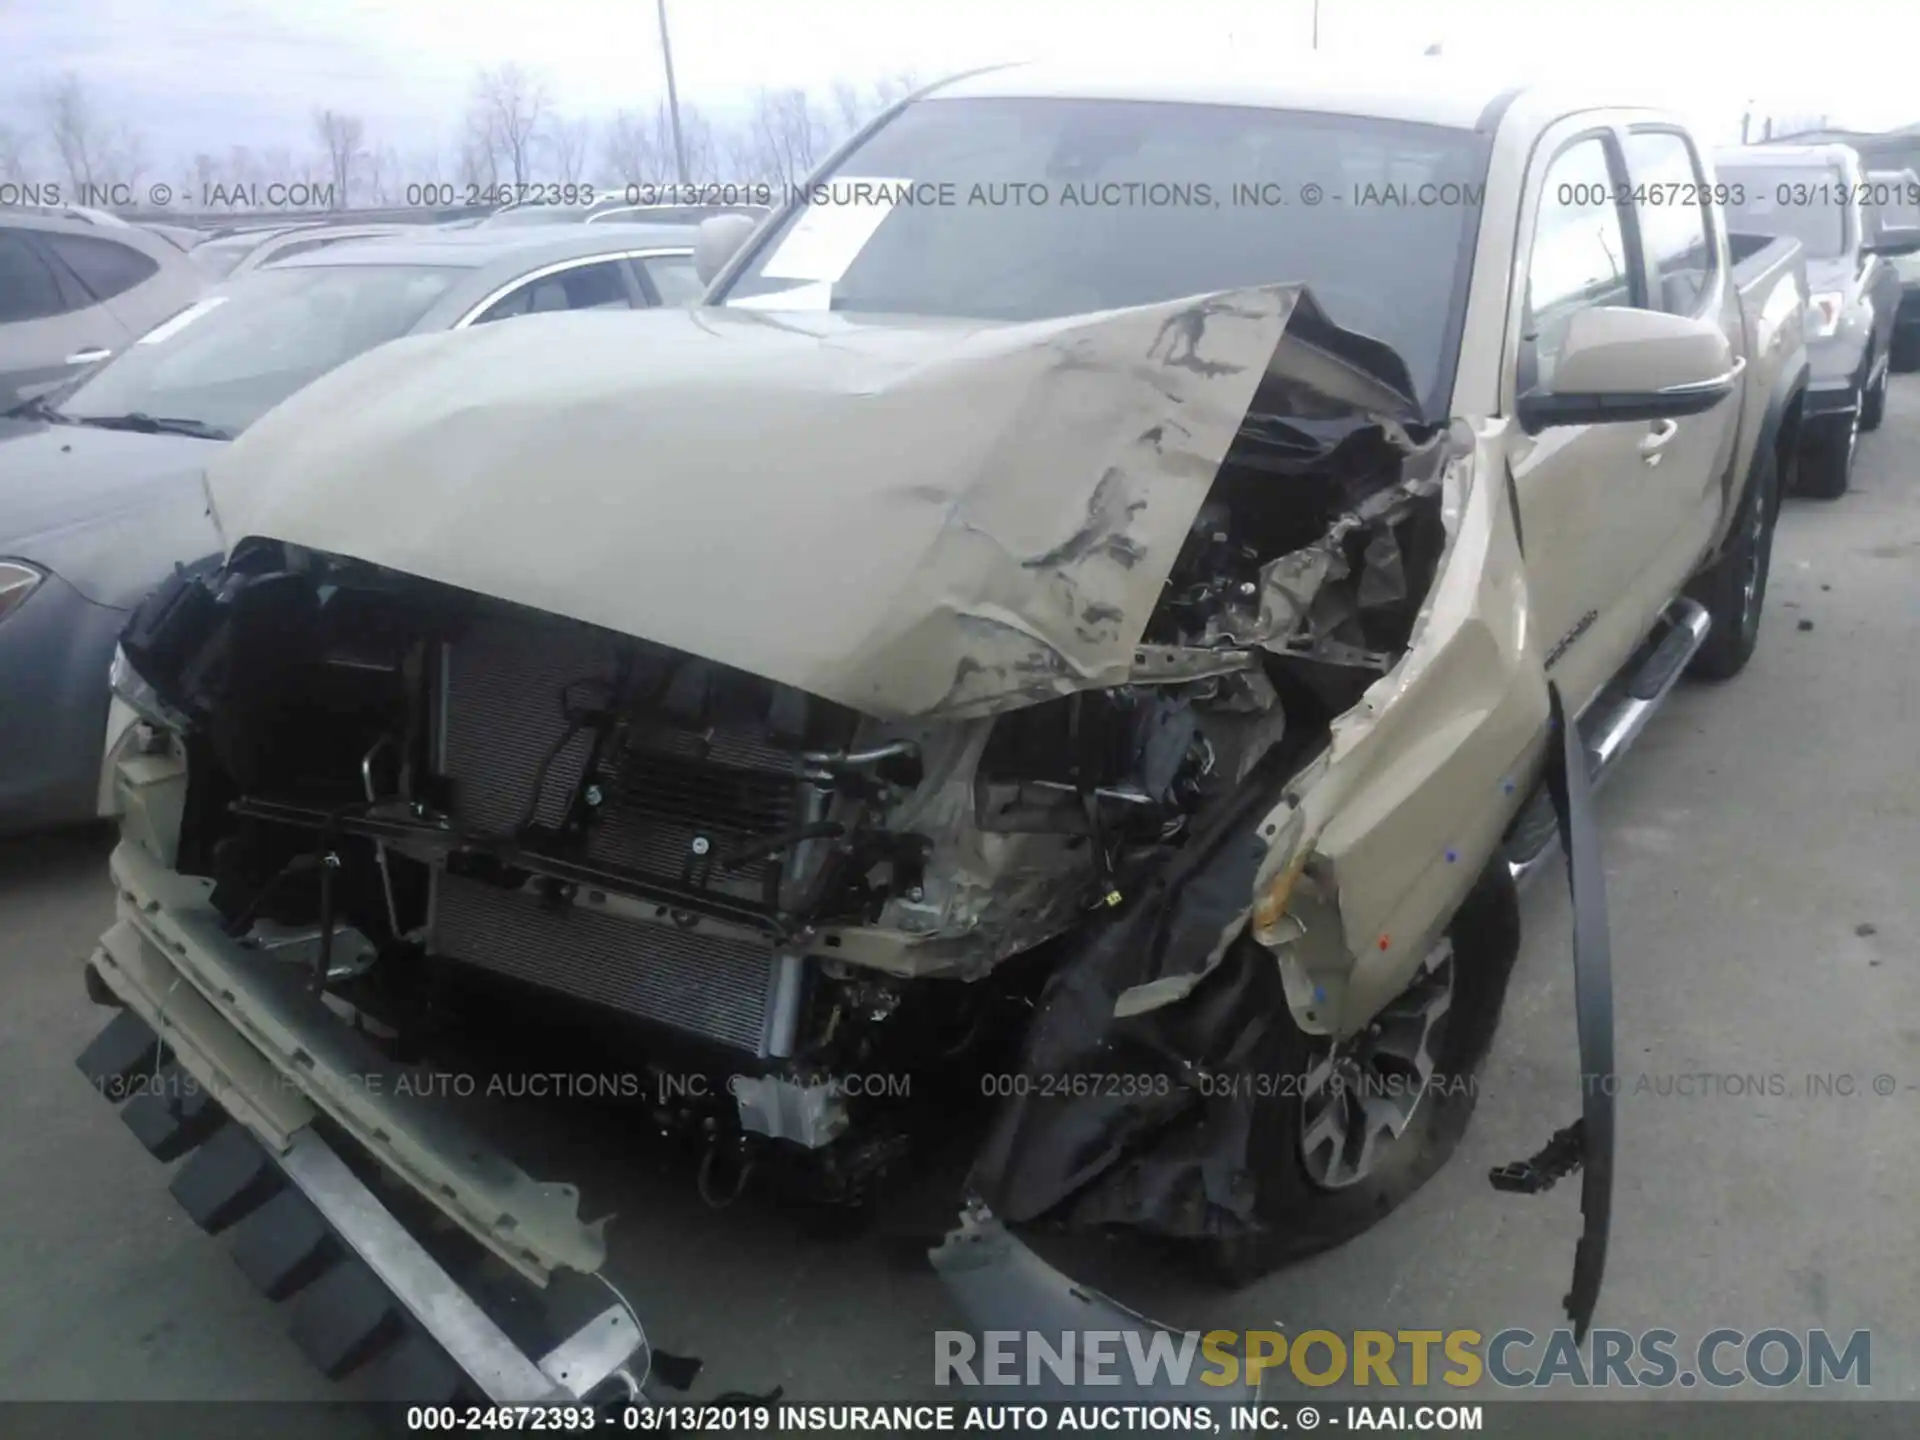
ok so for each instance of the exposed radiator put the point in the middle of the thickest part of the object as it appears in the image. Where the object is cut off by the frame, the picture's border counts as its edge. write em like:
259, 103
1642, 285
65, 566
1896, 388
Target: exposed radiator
674, 801
713, 986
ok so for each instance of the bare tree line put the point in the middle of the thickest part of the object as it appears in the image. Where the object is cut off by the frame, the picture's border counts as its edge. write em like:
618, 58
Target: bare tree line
513, 132
91, 149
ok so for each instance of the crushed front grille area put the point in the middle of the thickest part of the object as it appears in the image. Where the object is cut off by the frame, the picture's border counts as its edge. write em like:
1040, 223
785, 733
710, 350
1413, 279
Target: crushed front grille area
674, 799
710, 985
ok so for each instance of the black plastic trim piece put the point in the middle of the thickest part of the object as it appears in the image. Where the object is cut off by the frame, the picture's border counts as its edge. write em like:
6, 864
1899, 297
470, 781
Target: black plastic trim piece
1568, 784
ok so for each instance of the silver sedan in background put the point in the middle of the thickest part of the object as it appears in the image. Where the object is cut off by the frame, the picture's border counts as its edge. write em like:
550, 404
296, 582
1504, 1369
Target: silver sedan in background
101, 481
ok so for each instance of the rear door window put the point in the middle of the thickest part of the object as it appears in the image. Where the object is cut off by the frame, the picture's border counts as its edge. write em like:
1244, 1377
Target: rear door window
28, 290
106, 267
1669, 195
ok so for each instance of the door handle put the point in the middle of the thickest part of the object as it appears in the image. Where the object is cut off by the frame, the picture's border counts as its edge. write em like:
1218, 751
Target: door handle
1662, 432
88, 356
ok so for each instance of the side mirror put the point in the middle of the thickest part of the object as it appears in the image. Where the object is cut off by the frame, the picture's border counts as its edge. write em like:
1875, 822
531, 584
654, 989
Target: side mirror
1617, 363
717, 240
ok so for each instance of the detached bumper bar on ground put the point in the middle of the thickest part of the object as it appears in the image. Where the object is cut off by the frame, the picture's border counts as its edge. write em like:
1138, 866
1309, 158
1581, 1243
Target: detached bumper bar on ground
365, 1295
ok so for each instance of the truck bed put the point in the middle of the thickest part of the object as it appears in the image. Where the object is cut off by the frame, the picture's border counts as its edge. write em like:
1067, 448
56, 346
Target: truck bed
1754, 256
1770, 278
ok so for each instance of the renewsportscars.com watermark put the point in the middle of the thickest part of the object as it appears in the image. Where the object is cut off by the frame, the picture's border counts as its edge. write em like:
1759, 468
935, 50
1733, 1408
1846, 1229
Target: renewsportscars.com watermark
1512, 1359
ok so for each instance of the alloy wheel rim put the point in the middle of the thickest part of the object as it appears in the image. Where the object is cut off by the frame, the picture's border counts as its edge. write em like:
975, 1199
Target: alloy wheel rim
1360, 1095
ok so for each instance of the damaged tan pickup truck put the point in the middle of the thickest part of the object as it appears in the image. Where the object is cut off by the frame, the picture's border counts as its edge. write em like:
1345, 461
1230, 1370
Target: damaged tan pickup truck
1120, 588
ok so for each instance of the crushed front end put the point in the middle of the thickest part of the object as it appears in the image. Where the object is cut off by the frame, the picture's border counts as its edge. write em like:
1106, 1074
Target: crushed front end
409, 799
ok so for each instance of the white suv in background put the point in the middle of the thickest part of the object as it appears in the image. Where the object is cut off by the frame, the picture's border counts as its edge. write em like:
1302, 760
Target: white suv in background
73, 293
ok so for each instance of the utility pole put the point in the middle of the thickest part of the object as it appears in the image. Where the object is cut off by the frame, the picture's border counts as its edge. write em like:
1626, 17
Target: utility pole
673, 97
1316, 24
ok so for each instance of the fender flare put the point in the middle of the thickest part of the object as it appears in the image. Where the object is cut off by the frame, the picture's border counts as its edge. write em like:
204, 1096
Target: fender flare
1784, 399
1780, 420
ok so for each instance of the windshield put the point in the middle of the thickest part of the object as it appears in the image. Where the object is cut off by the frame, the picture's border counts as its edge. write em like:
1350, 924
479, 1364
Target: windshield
230, 357
1027, 208
1802, 202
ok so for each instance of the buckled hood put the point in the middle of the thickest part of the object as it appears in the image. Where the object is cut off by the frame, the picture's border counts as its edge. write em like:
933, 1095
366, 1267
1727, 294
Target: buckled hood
910, 517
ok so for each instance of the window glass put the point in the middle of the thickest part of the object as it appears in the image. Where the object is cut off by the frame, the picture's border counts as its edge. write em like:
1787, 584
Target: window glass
674, 278
105, 267
27, 291
1894, 197
232, 355
585, 287
1799, 201
1019, 208
1667, 196
1579, 256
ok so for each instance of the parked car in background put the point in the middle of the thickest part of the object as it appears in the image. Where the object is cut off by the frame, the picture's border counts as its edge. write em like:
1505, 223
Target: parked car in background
184, 237
219, 255
74, 292
1817, 194
1895, 197
1890, 150
86, 213
286, 244
620, 205
673, 214
100, 482
537, 211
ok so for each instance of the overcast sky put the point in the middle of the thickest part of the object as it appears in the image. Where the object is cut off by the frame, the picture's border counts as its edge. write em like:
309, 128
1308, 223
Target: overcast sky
209, 74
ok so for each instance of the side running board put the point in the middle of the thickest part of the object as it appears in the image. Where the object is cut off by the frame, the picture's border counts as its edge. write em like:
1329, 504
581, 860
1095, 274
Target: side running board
1608, 727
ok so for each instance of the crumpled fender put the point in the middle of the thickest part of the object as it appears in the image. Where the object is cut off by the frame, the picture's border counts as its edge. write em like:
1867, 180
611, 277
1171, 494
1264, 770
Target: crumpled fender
1376, 843
1347, 872
1146, 1068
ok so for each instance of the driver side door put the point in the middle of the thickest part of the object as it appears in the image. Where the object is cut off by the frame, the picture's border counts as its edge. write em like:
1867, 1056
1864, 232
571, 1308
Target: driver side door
1571, 482
1675, 506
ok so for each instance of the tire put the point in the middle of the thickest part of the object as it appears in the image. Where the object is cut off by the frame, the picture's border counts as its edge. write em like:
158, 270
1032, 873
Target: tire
1873, 403
1905, 356
1734, 588
1826, 459
1296, 1216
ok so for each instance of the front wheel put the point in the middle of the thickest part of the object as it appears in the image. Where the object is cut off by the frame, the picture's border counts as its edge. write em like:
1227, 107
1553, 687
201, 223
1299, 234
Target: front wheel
1734, 588
1372, 1117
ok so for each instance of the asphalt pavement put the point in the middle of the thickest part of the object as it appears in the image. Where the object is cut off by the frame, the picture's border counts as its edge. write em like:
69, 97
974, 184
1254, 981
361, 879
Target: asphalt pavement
1760, 846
